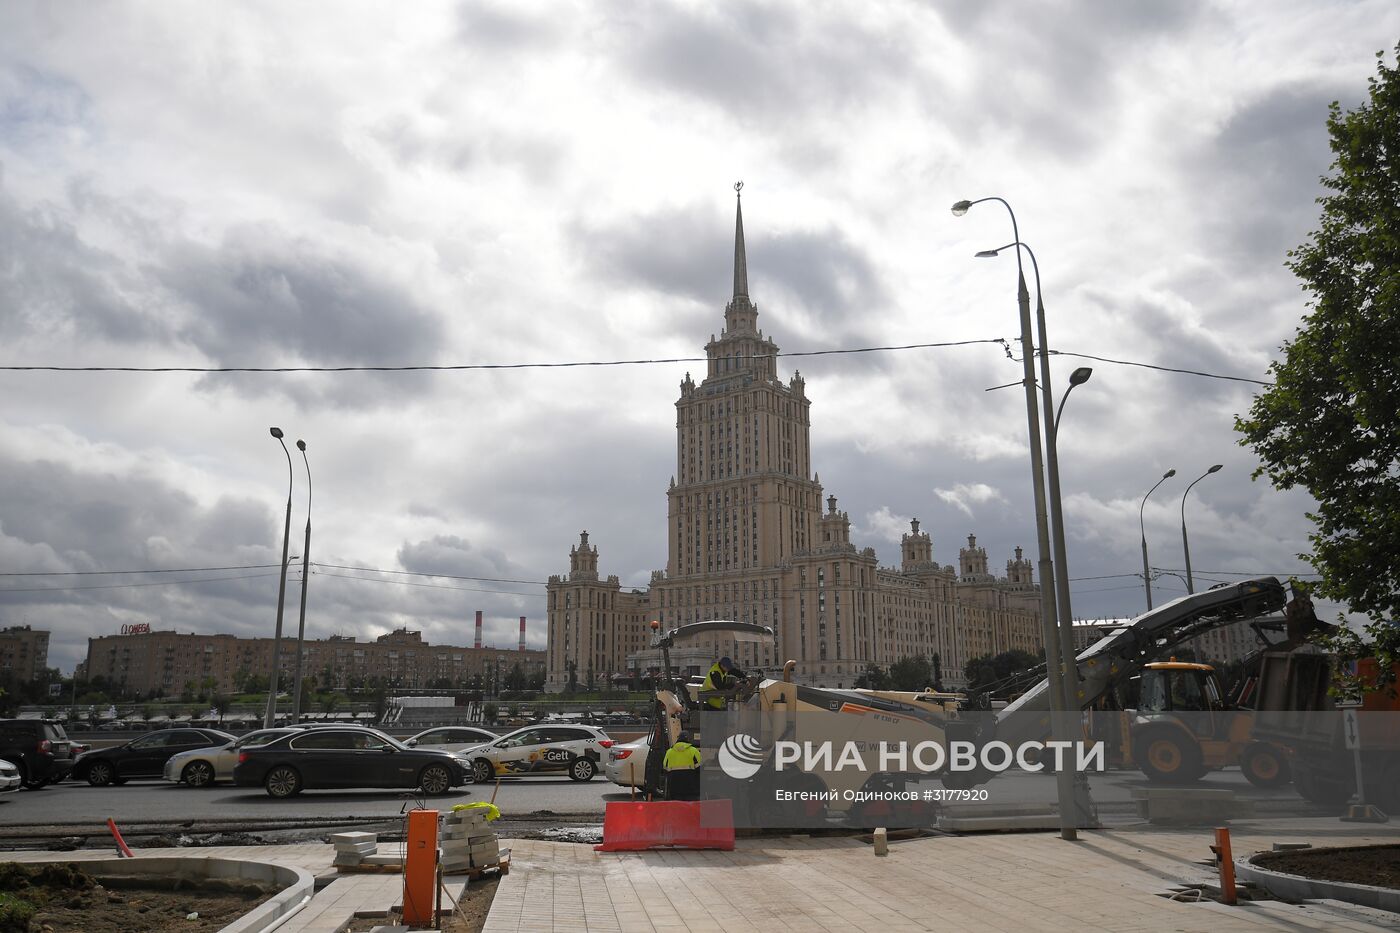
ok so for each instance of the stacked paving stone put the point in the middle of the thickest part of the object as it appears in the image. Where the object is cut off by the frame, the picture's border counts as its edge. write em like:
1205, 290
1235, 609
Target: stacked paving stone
353, 848
468, 842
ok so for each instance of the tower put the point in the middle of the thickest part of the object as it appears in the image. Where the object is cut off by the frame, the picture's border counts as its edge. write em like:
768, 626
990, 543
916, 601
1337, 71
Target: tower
916, 549
743, 497
972, 562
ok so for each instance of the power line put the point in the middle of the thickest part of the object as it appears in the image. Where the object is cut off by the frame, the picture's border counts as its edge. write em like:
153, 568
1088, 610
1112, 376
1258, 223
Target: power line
436, 586
97, 573
577, 364
422, 573
1165, 369
122, 586
462, 367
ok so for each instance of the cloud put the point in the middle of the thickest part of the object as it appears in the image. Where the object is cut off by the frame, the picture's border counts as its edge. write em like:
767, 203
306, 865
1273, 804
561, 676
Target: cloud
965, 495
883, 524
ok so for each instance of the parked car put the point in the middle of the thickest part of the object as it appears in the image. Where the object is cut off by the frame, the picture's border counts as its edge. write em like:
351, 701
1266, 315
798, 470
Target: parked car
144, 757
451, 738
574, 750
626, 764
201, 767
38, 748
345, 756
9, 777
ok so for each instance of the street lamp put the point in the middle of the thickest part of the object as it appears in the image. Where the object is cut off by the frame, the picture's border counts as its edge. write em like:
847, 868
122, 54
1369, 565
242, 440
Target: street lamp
1185, 545
1053, 667
305, 577
1052, 460
1147, 574
270, 717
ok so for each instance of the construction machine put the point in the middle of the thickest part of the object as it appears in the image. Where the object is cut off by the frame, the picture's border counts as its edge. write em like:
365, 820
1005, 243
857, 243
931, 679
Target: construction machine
1172, 719
766, 709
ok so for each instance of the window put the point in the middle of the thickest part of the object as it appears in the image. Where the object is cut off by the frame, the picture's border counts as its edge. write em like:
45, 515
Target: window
327, 739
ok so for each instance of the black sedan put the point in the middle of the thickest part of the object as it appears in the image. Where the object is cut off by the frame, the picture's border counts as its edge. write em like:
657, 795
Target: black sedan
345, 757
144, 757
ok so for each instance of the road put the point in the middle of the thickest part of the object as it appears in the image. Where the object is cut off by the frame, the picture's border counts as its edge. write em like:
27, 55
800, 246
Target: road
77, 809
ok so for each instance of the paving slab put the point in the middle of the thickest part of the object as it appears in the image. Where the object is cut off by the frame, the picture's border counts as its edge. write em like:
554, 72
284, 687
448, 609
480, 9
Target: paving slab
1109, 880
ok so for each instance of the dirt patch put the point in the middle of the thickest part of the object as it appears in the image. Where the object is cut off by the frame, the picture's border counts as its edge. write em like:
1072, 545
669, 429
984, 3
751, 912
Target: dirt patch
474, 905
1378, 866
63, 898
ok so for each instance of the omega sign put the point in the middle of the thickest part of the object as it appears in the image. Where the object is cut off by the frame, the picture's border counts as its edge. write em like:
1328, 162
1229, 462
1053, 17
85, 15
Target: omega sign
137, 628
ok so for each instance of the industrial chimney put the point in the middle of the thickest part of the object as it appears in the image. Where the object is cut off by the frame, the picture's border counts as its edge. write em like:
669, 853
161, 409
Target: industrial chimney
478, 628
522, 633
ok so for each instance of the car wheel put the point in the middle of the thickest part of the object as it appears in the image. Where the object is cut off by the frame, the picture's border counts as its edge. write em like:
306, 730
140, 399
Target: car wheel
482, 771
198, 774
282, 781
100, 773
582, 769
435, 779
1167, 756
1264, 765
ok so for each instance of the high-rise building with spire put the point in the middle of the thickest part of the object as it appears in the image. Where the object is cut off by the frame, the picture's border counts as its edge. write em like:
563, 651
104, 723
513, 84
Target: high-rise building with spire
747, 539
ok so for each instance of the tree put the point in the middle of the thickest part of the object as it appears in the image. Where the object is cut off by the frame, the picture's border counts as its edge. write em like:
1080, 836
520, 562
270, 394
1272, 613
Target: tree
872, 678
1004, 675
1330, 423
911, 673
515, 678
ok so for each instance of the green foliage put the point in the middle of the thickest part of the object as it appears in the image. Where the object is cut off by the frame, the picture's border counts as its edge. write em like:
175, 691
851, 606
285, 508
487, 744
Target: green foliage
1004, 675
911, 673
1331, 422
872, 678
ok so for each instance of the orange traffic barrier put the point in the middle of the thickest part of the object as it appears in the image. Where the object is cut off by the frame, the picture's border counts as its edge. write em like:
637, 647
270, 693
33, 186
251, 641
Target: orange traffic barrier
1227, 865
688, 824
420, 867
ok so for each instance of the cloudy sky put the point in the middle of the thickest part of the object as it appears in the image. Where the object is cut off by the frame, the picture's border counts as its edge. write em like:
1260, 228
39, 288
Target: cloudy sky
373, 184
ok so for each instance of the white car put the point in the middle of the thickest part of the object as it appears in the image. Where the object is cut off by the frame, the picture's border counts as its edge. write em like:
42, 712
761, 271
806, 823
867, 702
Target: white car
544, 749
627, 764
451, 738
203, 766
9, 777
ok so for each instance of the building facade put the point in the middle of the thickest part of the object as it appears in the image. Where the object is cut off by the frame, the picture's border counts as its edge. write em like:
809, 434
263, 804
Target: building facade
165, 662
24, 653
748, 539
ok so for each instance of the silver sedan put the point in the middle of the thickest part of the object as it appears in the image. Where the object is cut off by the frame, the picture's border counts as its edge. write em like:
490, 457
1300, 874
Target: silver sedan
203, 766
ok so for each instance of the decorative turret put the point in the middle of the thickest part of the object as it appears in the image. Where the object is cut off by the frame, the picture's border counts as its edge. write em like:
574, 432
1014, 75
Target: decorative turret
836, 527
583, 560
916, 549
972, 562
1018, 570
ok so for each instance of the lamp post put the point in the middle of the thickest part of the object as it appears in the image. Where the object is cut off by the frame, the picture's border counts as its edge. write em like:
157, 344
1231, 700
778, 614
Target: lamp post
1054, 663
305, 577
271, 716
1146, 573
1185, 545
1052, 463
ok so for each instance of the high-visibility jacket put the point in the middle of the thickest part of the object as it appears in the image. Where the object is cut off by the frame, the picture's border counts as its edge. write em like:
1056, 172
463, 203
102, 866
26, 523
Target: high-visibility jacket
681, 757
716, 679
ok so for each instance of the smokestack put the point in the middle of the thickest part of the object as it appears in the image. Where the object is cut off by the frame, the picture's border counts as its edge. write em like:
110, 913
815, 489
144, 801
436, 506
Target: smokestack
522, 633
478, 628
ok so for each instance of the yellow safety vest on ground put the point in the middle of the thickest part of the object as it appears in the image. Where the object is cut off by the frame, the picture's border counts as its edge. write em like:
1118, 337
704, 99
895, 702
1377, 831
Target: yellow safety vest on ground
681, 756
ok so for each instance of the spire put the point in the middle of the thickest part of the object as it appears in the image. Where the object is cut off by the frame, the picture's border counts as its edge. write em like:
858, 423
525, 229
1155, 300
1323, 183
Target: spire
741, 267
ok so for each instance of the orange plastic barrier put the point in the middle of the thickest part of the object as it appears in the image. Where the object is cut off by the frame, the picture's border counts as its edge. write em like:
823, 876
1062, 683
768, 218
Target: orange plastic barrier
122, 850
420, 867
687, 824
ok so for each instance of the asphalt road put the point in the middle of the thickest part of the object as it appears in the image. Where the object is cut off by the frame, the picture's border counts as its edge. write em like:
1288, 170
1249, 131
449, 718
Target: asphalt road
159, 801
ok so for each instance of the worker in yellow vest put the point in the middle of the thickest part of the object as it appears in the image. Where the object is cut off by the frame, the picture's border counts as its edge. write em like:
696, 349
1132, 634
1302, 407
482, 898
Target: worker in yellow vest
682, 767
724, 674
682, 756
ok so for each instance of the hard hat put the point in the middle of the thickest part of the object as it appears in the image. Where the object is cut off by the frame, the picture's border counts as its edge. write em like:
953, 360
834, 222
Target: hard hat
726, 663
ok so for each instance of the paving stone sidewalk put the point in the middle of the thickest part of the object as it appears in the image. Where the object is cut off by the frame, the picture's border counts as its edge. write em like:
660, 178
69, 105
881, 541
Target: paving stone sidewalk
1108, 880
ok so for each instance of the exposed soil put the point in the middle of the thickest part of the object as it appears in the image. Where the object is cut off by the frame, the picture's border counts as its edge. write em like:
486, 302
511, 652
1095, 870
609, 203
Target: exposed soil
469, 918
1378, 866
63, 898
